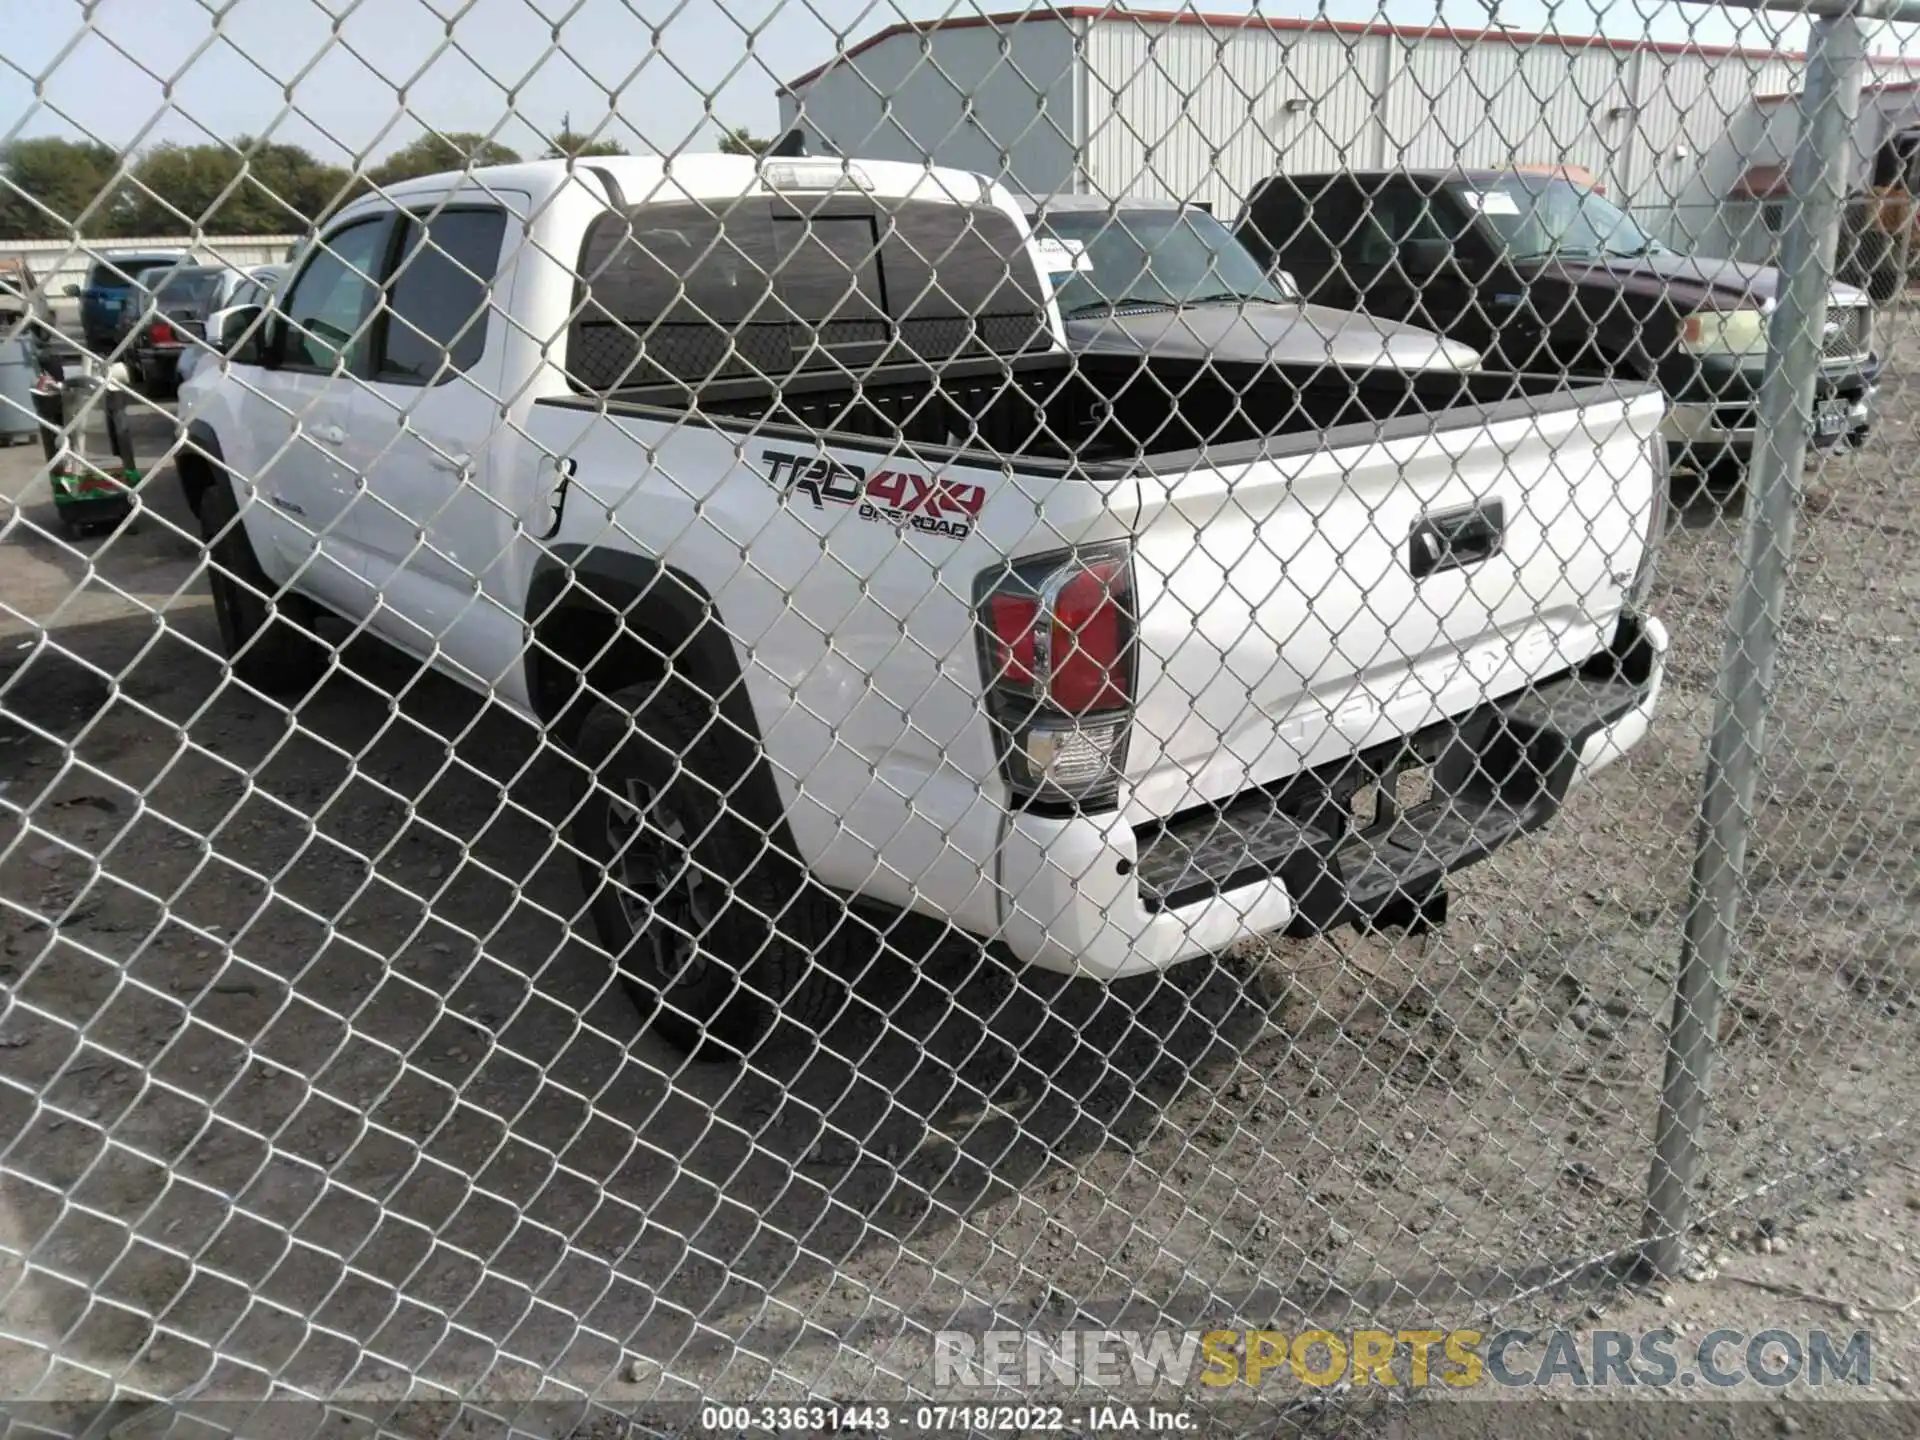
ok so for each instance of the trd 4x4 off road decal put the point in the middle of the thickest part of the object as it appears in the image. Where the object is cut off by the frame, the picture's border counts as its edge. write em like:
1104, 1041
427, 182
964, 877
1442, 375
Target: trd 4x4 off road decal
899, 497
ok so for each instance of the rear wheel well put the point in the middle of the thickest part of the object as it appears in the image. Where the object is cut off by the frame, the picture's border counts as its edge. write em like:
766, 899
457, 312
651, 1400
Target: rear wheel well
198, 463
591, 637
583, 652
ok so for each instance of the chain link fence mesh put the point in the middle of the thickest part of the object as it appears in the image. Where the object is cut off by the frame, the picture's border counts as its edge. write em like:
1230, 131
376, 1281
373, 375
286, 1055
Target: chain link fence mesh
633, 781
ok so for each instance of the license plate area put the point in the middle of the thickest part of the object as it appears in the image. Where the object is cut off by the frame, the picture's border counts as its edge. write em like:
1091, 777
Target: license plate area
1830, 416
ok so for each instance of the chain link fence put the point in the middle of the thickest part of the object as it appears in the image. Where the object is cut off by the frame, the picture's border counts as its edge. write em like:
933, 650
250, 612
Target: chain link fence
642, 785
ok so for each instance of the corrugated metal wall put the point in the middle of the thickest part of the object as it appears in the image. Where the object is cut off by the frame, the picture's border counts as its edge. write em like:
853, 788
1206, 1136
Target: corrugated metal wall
1194, 114
1763, 134
1000, 102
1500, 104
1165, 100
1201, 112
1703, 130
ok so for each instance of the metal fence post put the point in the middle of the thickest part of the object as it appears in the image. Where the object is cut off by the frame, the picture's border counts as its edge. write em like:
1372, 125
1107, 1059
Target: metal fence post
1829, 103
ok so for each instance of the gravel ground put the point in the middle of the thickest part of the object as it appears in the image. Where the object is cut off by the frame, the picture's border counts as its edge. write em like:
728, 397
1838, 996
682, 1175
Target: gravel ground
305, 1077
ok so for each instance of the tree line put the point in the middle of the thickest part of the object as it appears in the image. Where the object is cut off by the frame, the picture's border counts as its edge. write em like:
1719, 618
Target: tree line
51, 187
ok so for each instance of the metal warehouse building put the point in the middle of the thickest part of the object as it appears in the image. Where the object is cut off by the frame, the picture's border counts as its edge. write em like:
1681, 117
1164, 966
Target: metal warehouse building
1199, 107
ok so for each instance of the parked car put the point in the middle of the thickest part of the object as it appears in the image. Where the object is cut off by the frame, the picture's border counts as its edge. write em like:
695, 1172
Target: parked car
173, 328
861, 600
137, 310
1140, 276
169, 327
237, 287
1541, 273
104, 295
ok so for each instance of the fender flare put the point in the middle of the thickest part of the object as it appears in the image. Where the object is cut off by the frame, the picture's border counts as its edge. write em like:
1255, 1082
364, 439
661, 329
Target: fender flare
199, 462
671, 613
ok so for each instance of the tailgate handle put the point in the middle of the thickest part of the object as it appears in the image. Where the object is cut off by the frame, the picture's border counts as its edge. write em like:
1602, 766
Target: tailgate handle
1454, 539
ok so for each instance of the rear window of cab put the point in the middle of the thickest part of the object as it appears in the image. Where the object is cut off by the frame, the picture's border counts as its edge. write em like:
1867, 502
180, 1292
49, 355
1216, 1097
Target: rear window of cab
703, 290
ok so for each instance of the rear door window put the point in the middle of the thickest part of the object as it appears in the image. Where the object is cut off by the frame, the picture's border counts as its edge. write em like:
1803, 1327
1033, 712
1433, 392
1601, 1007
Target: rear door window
766, 286
438, 299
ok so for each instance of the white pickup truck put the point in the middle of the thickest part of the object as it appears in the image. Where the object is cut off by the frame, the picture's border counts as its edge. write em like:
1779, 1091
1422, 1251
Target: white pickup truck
852, 583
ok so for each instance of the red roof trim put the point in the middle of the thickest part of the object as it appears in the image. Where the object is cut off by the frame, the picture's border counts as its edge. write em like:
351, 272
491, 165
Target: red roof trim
1289, 25
1760, 182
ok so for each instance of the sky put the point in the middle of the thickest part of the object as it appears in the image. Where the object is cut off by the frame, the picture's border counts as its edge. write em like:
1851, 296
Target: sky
354, 79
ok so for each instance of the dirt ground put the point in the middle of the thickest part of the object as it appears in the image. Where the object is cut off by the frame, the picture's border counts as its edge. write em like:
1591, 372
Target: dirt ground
307, 1080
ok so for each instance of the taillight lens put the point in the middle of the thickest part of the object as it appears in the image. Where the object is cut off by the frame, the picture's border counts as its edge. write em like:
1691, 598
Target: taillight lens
1091, 646
1011, 619
1057, 651
162, 333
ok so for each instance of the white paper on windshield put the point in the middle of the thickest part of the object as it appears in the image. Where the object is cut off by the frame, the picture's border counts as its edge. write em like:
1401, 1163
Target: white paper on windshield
1491, 202
1062, 257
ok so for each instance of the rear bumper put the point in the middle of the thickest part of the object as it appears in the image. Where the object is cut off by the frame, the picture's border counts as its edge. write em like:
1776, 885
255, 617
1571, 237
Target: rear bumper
1092, 896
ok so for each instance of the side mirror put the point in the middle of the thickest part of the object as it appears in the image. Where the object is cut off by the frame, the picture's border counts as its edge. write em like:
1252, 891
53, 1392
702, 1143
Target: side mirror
72, 292
1425, 257
226, 329
1288, 286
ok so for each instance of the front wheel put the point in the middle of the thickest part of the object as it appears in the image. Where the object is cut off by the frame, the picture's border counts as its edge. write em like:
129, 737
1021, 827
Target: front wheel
715, 939
267, 634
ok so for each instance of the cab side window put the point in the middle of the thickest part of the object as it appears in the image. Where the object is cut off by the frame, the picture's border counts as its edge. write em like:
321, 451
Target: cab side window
1398, 214
439, 299
328, 308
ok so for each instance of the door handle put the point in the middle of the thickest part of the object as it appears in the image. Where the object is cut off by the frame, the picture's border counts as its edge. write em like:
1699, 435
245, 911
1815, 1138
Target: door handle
454, 462
1456, 539
329, 434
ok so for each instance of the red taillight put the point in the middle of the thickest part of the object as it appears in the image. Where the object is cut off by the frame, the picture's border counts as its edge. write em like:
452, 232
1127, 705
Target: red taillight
1063, 627
162, 333
1056, 642
1089, 647
1012, 618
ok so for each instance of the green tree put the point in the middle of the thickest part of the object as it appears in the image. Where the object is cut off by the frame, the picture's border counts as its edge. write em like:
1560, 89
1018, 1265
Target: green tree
433, 153
289, 188
53, 186
250, 187
177, 187
570, 145
738, 140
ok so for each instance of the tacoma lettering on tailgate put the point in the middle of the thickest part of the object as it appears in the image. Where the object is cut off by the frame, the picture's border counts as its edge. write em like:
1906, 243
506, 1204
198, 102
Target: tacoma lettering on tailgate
898, 497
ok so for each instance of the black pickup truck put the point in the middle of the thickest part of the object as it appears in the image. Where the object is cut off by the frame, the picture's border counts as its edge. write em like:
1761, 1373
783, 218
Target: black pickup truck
1541, 273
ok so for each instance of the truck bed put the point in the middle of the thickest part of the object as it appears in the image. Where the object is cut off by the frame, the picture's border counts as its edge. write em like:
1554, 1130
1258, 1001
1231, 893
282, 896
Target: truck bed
1111, 413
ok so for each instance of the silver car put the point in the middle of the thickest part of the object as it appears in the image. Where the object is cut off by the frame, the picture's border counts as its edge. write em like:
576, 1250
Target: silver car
1140, 276
253, 286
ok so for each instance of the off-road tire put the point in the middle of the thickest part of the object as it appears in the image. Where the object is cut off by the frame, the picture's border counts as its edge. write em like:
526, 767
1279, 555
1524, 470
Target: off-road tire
267, 633
741, 942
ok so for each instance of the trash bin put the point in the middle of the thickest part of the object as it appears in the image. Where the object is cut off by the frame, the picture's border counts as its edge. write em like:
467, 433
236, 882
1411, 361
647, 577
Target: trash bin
19, 364
89, 449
